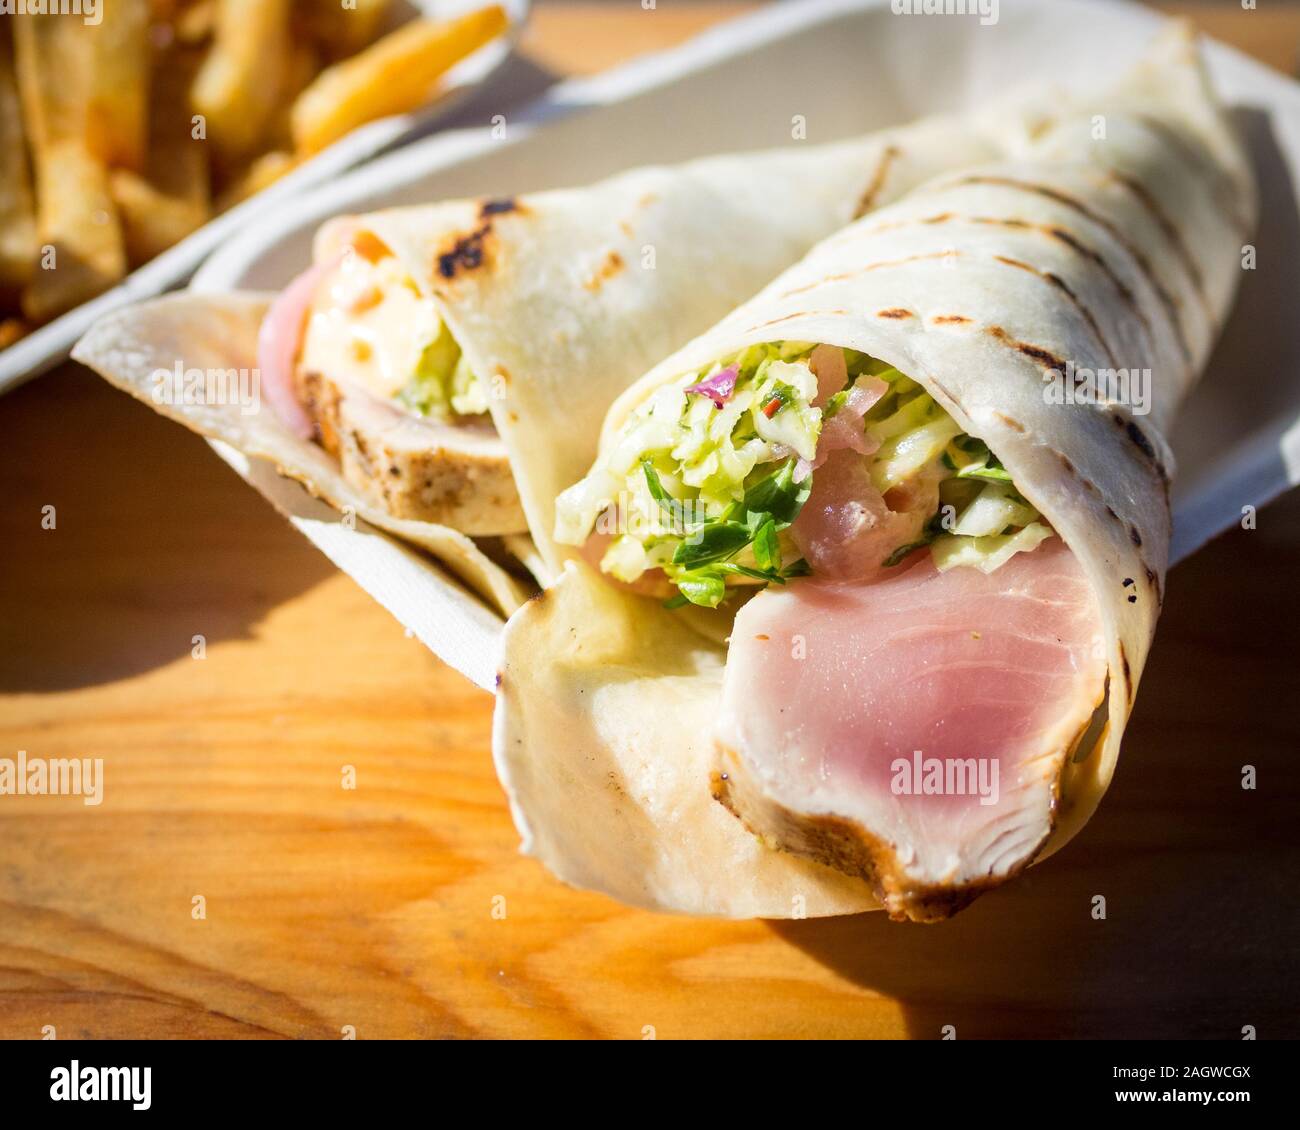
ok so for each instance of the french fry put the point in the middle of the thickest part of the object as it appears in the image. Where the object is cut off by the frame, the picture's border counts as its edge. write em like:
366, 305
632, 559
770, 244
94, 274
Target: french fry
11, 329
240, 82
82, 252
173, 197
396, 74
119, 96
302, 66
266, 170
196, 22
17, 207
178, 161
342, 29
54, 60
151, 220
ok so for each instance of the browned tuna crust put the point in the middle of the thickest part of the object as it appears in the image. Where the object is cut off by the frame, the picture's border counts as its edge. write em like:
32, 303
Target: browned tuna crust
845, 845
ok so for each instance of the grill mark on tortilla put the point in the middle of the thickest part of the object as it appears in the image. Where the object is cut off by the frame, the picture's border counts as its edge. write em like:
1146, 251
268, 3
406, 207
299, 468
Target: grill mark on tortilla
801, 314
950, 320
1116, 413
1139, 437
1153, 580
469, 252
499, 207
608, 268
1065, 288
1167, 227
1013, 424
466, 254
1135, 253
877, 182
879, 265
1223, 188
1034, 352
1141, 441
1067, 464
1050, 231
895, 312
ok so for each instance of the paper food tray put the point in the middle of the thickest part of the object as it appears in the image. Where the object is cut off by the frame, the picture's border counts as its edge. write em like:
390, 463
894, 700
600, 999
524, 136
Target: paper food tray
735, 87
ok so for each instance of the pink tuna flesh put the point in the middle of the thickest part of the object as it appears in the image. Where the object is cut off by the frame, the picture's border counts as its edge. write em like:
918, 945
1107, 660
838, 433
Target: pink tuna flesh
836, 693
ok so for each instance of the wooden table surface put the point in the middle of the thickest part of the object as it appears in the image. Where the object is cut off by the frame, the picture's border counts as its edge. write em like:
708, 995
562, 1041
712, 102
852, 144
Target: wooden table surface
402, 908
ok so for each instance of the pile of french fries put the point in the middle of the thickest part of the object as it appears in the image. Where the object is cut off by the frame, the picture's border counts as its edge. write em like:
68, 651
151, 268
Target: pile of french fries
126, 124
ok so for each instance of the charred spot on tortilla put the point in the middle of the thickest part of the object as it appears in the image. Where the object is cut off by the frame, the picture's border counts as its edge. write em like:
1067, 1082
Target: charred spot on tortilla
499, 207
466, 254
1055, 280
1034, 352
1128, 674
801, 314
1068, 466
609, 266
1078, 246
949, 320
1139, 438
877, 182
895, 312
1012, 423
469, 252
718, 786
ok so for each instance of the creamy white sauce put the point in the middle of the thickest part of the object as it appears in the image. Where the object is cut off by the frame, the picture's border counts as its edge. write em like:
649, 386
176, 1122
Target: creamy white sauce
368, 326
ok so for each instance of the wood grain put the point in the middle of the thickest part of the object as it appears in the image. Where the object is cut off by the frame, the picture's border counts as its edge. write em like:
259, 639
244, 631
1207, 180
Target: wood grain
380, 906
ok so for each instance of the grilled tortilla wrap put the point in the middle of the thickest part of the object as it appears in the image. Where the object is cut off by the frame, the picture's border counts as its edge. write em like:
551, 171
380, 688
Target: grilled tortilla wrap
521, 318
932, 347
454, 361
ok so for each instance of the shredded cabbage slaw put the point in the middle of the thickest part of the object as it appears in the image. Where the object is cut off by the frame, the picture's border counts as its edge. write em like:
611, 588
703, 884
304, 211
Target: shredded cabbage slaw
708, 474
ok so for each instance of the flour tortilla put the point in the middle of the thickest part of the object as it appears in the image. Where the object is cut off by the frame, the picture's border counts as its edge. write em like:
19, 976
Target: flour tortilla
133, 346
1113, 253
559, 301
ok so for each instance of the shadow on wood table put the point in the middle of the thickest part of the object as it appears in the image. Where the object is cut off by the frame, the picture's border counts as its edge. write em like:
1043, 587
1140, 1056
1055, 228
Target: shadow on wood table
149, 525
1199, 874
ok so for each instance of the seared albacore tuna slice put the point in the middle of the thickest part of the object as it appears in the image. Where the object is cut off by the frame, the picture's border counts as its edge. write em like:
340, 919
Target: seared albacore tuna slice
912, 731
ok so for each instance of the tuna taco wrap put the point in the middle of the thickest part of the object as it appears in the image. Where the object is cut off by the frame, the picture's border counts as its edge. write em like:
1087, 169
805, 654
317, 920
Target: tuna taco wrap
443, 371
865, 577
